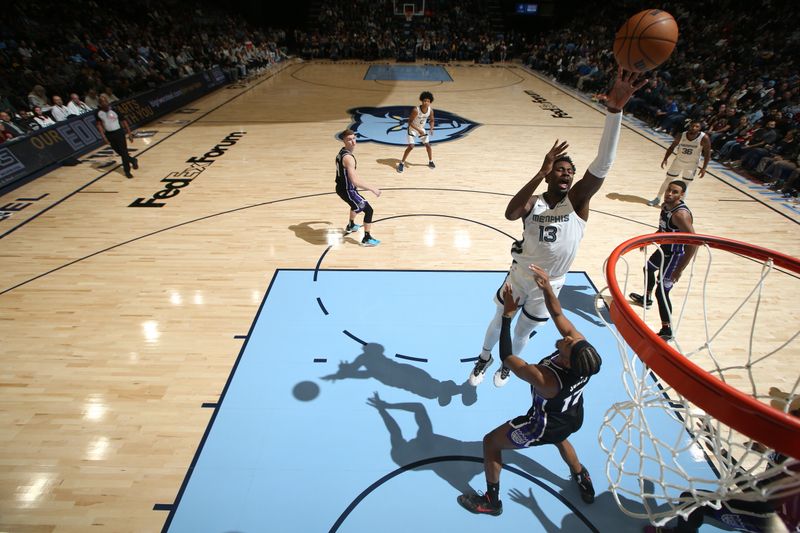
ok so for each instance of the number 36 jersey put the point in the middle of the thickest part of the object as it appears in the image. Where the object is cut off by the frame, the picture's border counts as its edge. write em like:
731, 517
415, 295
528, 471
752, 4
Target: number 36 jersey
550, 237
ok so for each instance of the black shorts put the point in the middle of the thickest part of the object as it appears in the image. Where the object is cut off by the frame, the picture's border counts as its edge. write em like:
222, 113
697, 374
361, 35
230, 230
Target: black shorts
352, 198
526, 430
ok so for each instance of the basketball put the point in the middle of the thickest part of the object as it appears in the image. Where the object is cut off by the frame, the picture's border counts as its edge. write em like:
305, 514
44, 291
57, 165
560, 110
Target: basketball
646, 40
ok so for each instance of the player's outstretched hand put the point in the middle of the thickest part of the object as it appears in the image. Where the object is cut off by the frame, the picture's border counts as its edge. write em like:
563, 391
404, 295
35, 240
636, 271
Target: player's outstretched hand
510, 304
625, 85
558, 150
376, 402
540, 276
517, 496
376, 192
345, 370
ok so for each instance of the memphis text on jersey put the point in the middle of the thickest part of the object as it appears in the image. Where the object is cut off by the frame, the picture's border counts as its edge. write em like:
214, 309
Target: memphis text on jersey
175, 181
550, 219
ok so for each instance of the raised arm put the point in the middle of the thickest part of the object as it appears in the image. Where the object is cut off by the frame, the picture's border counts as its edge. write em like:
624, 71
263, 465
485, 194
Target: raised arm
624, 86
521, 202
545, 382
565, 327
349, 163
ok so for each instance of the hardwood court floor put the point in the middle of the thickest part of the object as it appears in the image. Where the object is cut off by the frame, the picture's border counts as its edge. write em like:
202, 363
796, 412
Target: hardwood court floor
119, 323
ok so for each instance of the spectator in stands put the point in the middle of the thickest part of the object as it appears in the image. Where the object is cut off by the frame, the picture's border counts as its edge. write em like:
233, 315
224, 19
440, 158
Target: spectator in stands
751, 157
722, 123
13, 129
91, 98
108, 92
41, 119
25, 52
59, 111
76, 106
792, 183
763, 136
648, 100
38, 97
780, 171
672, 119
4, 135
588, 71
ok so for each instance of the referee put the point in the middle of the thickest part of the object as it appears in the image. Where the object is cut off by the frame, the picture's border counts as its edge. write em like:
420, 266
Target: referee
110, 124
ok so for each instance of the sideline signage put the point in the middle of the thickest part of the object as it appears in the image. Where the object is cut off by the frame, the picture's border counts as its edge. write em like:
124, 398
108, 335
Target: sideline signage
78, 135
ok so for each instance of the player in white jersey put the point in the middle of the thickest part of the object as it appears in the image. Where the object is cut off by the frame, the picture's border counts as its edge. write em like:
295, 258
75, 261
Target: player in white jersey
416, 128
688, 147
554, 224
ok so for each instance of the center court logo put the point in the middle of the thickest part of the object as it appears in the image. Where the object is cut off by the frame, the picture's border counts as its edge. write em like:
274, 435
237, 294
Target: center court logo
388, 125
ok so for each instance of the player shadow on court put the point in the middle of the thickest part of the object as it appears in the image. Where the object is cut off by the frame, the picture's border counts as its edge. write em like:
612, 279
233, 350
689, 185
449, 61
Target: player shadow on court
608, 520
630, 198
101, 164
392, 162
427, 444
373, 364
582, 304
312, 235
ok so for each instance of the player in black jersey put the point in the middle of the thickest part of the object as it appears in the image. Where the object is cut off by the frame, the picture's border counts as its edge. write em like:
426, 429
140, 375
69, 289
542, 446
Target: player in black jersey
668, 259
557, 384
347, 184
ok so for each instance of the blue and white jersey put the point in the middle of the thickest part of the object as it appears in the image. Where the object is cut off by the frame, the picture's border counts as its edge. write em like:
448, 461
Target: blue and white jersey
421, 119
550, 237
688, 151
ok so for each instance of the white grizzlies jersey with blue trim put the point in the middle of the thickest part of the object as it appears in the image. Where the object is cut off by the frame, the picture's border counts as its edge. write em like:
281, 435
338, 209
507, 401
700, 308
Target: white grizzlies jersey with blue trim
689, 151
421, 118
550, 237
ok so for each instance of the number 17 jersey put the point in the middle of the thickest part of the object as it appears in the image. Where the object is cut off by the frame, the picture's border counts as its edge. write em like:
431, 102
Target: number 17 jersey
550, 237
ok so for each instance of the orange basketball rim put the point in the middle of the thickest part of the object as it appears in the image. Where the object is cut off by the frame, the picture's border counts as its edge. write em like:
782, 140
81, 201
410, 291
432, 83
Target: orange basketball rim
763, 423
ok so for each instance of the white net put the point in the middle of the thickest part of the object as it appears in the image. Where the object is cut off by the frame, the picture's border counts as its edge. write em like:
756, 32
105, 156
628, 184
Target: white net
736, 318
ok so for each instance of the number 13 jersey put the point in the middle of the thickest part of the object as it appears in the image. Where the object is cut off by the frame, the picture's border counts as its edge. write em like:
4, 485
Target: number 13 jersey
550, 237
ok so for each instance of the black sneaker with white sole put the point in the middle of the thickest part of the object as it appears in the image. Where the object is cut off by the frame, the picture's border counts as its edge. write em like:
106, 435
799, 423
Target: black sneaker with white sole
638, 299
476, 376
665, 333
480, 504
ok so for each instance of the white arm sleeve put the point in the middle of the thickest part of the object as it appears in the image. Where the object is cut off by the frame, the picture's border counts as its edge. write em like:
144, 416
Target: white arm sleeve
607, 150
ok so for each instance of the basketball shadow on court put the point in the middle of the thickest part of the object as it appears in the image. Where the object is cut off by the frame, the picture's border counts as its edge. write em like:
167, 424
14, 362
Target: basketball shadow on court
427, 444
609, 520
582, 304
373, 364
630, 198
315, 235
